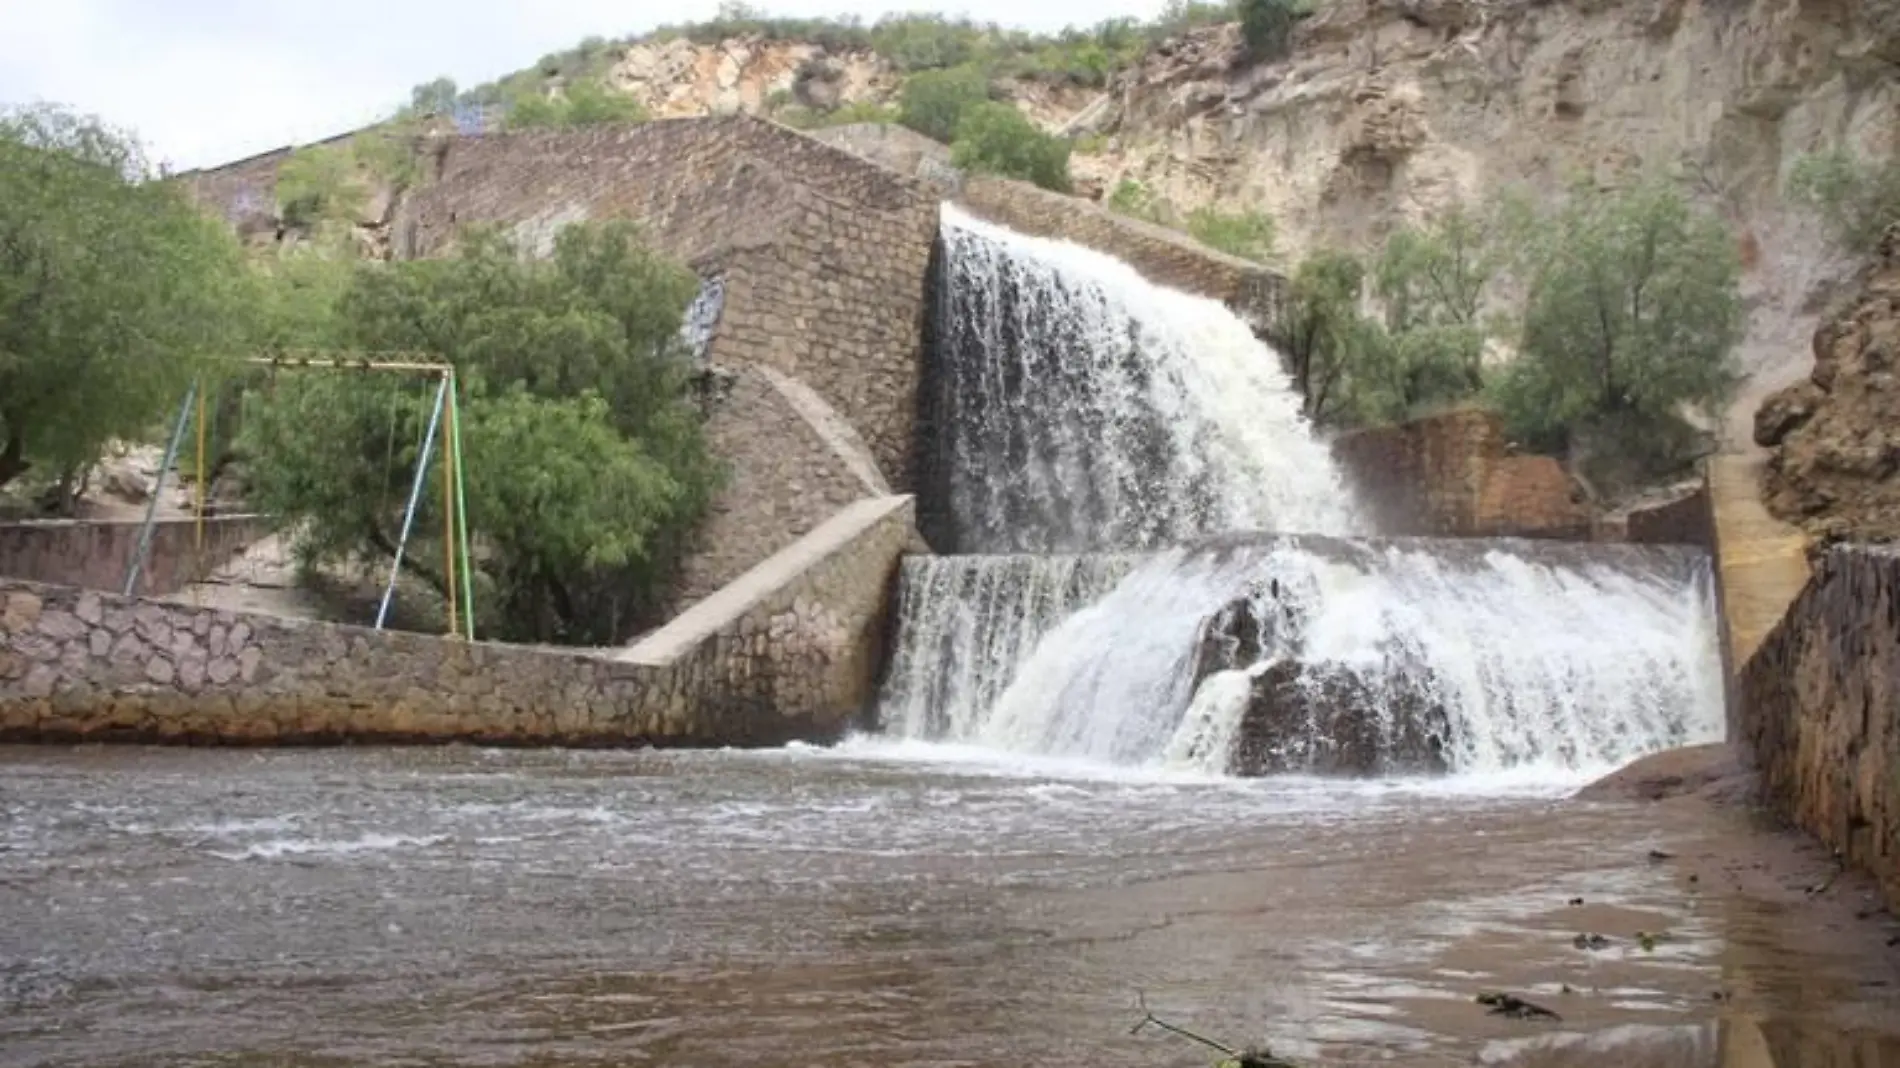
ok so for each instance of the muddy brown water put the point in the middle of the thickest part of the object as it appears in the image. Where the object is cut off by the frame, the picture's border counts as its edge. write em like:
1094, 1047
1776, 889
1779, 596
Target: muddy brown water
873, 907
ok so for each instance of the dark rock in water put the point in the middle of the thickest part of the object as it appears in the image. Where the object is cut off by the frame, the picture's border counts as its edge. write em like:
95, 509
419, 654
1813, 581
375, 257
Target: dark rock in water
1310, 717
1322, 720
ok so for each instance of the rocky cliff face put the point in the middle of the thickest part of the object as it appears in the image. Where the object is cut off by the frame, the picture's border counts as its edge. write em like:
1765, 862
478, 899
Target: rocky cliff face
1835, 468
680, 78
1390, 109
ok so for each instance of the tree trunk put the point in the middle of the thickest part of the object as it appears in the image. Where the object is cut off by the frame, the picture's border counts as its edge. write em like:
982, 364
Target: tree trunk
13, 461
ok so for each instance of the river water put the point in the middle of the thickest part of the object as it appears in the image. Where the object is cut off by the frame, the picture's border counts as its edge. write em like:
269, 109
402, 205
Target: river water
876, 904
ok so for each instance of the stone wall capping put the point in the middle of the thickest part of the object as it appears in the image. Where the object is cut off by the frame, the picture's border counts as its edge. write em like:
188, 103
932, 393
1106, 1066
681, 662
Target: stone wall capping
762, 584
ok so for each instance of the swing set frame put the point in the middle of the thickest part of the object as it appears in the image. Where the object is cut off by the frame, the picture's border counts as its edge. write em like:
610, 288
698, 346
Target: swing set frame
445, 414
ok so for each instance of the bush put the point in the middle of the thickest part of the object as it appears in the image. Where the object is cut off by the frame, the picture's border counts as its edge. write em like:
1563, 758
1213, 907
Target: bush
319, 184
800, 117
1247, 234
998, 139
1133, 199
585, 103
933, 102
928, 42
1267, 27
1856, 199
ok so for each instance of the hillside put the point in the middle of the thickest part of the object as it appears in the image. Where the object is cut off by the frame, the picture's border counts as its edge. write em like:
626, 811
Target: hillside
1384, 112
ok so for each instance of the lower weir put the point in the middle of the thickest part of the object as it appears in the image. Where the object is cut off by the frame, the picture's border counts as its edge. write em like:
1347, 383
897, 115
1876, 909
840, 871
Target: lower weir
1313, 654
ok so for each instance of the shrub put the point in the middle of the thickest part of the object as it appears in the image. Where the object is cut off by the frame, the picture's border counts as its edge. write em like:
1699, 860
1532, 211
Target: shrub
1247, 234
928, 42
1133, 199
585, 103
998, 139
1267, 27
1856, 199
933, 102
319, 184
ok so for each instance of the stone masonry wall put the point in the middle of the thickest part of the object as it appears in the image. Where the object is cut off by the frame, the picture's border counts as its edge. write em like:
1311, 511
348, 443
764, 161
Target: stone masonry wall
785, 479
1818, 708
1163, 256
1451, 475
824, 254
794, 660
897, 148
95, 553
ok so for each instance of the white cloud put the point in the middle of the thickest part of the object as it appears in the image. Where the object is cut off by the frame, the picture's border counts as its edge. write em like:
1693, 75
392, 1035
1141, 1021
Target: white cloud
206, 81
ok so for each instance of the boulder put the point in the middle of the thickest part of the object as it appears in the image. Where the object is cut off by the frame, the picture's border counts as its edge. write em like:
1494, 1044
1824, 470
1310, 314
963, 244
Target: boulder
1312, 717
1323, 719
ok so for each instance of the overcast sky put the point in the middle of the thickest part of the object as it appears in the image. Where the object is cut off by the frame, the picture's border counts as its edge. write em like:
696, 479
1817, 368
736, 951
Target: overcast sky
208, 81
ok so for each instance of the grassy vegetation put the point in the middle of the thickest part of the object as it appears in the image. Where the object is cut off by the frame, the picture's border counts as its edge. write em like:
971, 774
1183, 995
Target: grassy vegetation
1856, 199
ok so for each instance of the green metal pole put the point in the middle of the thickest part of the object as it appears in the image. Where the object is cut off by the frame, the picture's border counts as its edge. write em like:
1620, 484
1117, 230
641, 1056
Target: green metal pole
461, 505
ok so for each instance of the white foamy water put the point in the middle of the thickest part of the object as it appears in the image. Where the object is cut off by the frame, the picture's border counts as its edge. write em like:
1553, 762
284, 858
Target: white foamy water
1543, 656
1081, 407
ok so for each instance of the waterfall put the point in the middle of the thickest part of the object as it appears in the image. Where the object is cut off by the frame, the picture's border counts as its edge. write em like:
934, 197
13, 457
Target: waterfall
1076, 407
962, 621
1496, 654
1118, 453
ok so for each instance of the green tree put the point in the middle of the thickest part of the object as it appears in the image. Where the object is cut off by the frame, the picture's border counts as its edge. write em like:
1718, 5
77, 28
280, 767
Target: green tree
114, 292
998, 139
587, 468
434, 97
1247, 234
1329, 345
1856, 199
1632, 310
1267, 27
1432, 281
933, 102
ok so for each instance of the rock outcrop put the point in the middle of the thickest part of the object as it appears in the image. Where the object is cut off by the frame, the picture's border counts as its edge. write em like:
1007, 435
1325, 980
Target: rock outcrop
1311, 716
1835, 465
1388, 110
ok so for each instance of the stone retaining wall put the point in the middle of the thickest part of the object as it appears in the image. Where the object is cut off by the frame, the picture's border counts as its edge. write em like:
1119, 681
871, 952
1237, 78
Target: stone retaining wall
1166, 257
824, 255
788, 473
1450, 475
96, 553
1819, 709
795, 659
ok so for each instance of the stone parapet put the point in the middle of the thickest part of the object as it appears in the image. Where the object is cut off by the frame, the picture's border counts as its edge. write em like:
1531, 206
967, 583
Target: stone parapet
1163, 256
1819, 709
1451, 475
96, 553
792, 658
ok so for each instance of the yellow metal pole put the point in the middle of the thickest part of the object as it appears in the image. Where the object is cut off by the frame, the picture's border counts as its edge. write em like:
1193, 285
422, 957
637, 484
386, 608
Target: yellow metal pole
448, 534
198, 523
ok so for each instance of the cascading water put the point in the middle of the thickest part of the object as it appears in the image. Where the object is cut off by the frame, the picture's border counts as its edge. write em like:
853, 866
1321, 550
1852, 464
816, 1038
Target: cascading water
1075, 408
963, 620
1079, 408
1532, 653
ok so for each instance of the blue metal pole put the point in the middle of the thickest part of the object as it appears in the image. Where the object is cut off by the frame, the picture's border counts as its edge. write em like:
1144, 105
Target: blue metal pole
158, 489
415, 495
